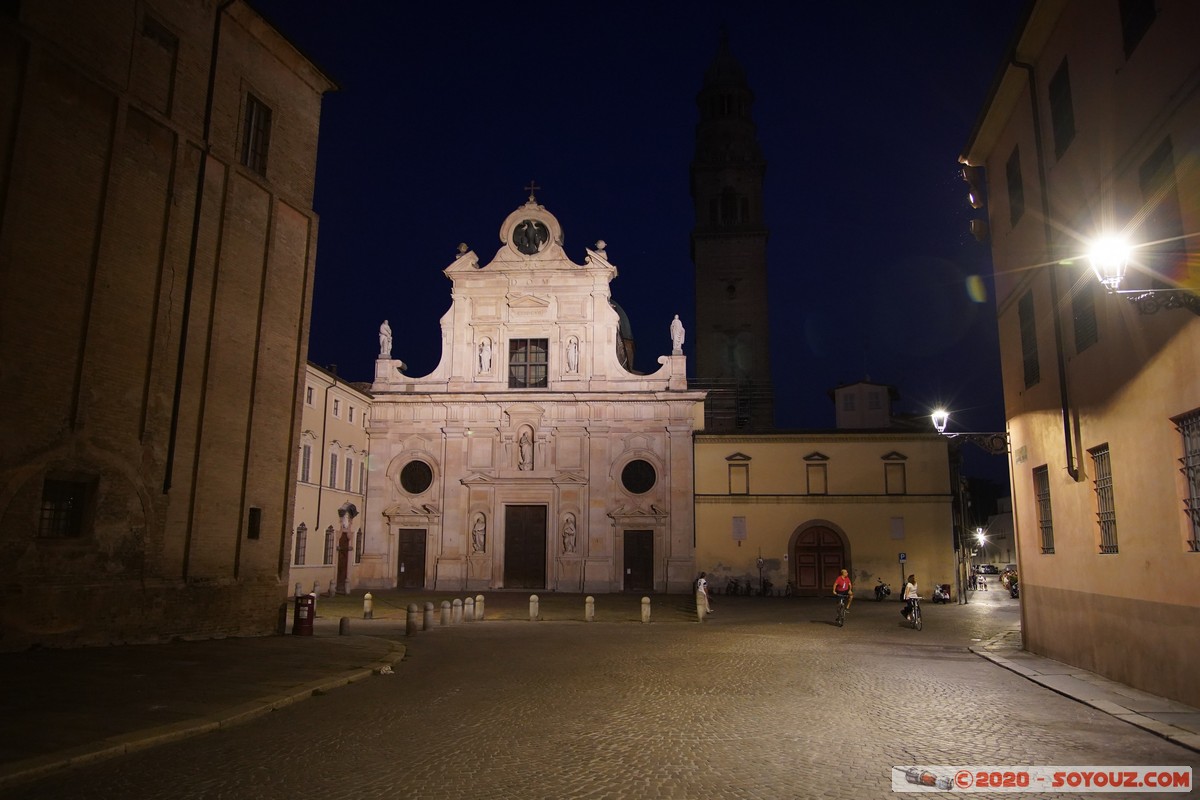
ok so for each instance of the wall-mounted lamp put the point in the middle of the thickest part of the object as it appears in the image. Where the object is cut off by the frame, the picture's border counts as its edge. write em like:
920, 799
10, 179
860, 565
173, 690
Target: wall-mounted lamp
1109, 256
994, 443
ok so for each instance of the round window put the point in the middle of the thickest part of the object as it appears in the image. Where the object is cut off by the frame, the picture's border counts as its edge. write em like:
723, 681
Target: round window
416, 477
638, 476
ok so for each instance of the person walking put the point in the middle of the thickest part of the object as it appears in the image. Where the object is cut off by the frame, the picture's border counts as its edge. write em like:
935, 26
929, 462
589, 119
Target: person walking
702, 591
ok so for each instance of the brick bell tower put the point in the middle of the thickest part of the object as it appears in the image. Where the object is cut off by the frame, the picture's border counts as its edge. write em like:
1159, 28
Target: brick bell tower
729, 250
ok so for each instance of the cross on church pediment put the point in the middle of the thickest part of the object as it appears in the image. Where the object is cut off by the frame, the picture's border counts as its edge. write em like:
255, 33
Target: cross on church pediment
531, 188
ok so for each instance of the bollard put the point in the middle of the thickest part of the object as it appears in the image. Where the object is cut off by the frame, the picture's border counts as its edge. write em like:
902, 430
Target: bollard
445, 612
589, 609
368, 606
344, 626
533, 608
298, 591
456, 612
700, 606
469, 609
332, 588
427, 620
479, 607
316, 587
313, 595
410, 620
645, 609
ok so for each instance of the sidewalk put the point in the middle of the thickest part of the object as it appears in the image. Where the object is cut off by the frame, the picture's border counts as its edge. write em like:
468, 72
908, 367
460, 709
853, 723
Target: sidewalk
1171, 720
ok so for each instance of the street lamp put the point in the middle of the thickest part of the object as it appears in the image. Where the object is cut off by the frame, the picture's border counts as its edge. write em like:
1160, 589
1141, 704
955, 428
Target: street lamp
1109, 256
994, 443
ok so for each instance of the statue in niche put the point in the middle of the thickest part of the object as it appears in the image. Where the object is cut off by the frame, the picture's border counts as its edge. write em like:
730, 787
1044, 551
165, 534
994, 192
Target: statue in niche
525, 448
385, 340
479, 534
568, 534
485, 356
572, 355
676, 336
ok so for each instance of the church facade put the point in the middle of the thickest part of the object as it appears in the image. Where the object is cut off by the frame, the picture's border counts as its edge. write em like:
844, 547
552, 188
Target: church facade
531, 457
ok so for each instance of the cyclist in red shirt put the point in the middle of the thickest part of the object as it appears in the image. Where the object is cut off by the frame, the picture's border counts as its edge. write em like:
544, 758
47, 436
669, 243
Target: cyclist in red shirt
842, 587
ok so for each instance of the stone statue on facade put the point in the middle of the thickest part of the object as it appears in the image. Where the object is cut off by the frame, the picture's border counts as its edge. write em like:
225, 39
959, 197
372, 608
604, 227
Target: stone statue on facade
525, 448
568, 534
479, 534
485, 356
385, 340
572, 355
676, 336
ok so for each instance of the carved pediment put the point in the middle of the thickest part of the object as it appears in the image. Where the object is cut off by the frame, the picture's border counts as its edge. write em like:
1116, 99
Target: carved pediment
402, 509
527, 302
894, 456
737, 457
816, 456
626, 513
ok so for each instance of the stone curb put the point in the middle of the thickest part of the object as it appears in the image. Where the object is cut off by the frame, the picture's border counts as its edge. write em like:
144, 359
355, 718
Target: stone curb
1179, 736
134, 741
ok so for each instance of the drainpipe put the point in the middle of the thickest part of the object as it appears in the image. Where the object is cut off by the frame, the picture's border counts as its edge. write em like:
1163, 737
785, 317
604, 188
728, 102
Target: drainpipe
1072, 465
193, 246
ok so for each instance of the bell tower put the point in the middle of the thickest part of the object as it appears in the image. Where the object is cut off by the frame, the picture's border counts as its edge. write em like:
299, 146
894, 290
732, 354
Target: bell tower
729, 251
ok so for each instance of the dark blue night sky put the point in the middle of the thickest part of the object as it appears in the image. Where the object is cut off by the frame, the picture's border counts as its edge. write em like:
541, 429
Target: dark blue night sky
447, 110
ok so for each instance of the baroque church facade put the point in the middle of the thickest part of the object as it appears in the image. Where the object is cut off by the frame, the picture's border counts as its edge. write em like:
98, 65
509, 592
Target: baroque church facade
531, 457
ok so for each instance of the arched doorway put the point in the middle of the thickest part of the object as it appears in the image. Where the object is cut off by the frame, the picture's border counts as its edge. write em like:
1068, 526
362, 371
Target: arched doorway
819, 554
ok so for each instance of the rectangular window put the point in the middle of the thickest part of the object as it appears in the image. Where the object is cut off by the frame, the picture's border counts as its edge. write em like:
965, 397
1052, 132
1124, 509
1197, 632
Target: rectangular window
847, 402
350, 414
306, 463
333, 470
1189, 428
254, 525
1029, 352
308, 395
359, 543
1136, 18
873, 401
1163, 224
337, 408
818, 478
328, 555
66, 508
362, 477
894, 478
527, 363
1106, 512
1016, 187
1061, 111
739, 479
256, 135
1083, 309
349, 474
1041, 489
301, 545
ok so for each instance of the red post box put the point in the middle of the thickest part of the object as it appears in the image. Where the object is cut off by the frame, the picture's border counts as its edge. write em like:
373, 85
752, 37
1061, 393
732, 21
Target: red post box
306, 609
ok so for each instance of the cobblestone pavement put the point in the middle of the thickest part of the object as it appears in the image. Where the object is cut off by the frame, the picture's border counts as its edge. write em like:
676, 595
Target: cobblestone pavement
764, 700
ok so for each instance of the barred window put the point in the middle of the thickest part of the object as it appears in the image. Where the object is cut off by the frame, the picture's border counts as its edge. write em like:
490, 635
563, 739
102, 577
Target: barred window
527, 363
1189, 428
1041, 489
328, 558
66, 505
301, 544
1106, 512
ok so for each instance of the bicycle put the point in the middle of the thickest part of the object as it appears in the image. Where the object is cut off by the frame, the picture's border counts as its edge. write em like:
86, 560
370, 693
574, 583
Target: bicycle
914, 616
840, 619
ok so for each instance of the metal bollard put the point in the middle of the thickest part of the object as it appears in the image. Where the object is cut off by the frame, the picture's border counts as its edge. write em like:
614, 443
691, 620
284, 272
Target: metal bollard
368, 606
445, 612
645, 609
700, 606
469, 609
479, 607
533, 608
410, 620
589, 609
456, 612
344, 626
427, 620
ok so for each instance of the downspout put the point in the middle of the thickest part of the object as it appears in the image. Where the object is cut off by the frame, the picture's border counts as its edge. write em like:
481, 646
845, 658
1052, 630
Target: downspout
1072, 466
193, 246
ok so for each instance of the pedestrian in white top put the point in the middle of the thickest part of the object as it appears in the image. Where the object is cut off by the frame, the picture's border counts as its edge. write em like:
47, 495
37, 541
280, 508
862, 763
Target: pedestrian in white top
702, 591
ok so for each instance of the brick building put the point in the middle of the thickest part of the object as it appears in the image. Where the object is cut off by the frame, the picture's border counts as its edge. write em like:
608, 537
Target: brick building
157, 246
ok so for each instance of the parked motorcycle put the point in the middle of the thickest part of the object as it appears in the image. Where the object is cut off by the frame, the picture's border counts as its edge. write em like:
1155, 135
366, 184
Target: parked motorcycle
882, 590
941, 593
1014, 588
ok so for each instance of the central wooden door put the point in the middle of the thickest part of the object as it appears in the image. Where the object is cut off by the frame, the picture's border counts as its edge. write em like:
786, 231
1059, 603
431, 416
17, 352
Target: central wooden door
525, 547
819, 557
639, 561
410, 572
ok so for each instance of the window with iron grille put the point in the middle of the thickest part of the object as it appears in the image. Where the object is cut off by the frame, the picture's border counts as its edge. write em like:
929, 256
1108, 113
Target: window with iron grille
1041, 489
1083, 309
527, 363
1016, 187
65, 511
360, 541
301, 544
328, 559
256, 135
1106, 512
1029, 352
1062, 113
1189, 428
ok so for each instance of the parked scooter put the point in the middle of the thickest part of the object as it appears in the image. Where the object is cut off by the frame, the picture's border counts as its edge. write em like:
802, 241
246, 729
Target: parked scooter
882, 590
1013, 587
941, 593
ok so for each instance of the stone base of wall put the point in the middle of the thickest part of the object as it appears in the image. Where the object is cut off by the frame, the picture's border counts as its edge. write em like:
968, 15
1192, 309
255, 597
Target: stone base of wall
132, 613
